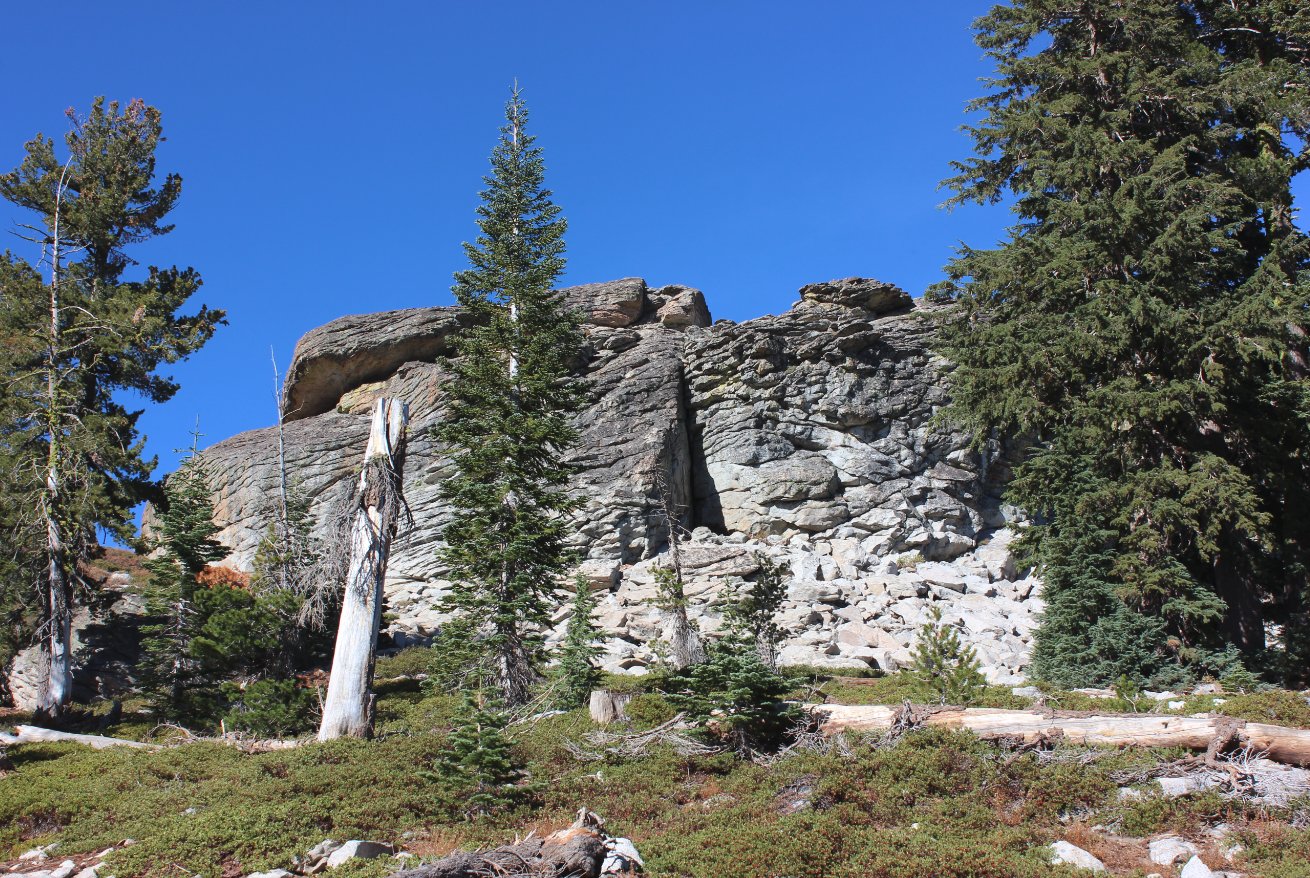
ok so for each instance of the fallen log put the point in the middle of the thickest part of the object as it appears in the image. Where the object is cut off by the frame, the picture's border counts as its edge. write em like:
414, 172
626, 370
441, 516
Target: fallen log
38, 735
1286, 745
581, 851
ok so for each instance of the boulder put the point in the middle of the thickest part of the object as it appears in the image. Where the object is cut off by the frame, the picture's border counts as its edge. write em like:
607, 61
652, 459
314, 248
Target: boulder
1064, 853
1194, 868
358, 850
1170, 849
859, 293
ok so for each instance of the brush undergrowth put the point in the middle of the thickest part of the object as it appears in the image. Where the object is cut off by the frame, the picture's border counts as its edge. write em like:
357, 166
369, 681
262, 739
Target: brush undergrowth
936, 803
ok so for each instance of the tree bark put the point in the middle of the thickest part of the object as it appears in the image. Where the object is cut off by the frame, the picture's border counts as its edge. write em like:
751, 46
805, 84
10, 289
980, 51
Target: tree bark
56, 689
348, 709
36, 735
608, 707
1291, 746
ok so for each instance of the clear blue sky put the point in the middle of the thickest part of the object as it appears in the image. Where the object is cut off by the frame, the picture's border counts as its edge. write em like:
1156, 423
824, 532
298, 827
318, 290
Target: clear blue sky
332, 152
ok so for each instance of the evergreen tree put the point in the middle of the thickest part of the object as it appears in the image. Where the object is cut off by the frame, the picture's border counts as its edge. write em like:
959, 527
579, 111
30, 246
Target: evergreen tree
78, 343
185, 523
288, 567
1143, 328
478, 766
577, 671
944, 666
736, 697
507, 423
754, 614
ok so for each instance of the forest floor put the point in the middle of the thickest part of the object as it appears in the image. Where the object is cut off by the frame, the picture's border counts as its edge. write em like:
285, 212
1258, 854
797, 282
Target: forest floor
927, 803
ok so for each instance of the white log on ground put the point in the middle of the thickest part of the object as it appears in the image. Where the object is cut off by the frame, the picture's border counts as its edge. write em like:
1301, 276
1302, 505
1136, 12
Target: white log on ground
348, 708
1287, 745
38, 735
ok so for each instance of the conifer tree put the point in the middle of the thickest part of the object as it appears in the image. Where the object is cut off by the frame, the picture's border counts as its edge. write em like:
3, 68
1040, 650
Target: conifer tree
754, 614
736, 697
1143, 328
508, 425
577, 670
185, 545
478, 765
81, 342
944, 666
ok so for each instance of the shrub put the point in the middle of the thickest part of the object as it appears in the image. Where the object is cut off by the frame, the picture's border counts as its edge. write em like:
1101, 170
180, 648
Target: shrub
909, 560
270, 708
408, 662
649, 710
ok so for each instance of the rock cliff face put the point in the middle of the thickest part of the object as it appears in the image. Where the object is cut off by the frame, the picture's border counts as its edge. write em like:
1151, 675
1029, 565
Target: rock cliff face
806, 436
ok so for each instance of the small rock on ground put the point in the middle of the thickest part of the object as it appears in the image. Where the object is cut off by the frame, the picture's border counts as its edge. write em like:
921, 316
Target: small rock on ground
1064, 853
358, 850
1170, 849
1196, 869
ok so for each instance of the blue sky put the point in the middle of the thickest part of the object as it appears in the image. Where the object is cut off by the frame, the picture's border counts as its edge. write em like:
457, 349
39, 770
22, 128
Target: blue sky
332, 152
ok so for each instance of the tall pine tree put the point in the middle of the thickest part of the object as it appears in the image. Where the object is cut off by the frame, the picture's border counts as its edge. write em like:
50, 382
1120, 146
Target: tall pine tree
511, 395
1143, 327
88, 342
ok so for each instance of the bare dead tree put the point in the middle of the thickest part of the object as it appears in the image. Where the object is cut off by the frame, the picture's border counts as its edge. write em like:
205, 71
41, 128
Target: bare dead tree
348, 709
685, 647
55, 690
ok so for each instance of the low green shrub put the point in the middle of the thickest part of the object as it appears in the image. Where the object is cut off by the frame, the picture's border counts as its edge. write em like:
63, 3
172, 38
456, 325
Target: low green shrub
270, 708
650, 709
408, 662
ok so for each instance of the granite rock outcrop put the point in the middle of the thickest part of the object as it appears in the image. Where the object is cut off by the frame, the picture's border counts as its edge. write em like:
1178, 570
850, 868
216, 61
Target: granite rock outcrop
806, 436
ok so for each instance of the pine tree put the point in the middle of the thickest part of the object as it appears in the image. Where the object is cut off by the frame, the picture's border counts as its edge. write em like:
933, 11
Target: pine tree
754, 615
1143, 328
478, 766
507, 421
78, 342
577, 672
287, 568
185, 545
736, 697
944, 666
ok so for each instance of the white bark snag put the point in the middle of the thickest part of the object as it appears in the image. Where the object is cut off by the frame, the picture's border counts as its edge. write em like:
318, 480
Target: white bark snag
348, 709
56, 686
1291, 746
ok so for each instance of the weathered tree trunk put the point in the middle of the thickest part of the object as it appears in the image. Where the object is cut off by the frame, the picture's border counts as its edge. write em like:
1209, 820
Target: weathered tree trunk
37, 735
56, 688
1286, 745
607, 706
348, 709
685, 647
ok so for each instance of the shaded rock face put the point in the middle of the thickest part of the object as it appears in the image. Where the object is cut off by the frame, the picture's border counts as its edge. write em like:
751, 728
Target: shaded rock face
804, 436
816, 421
